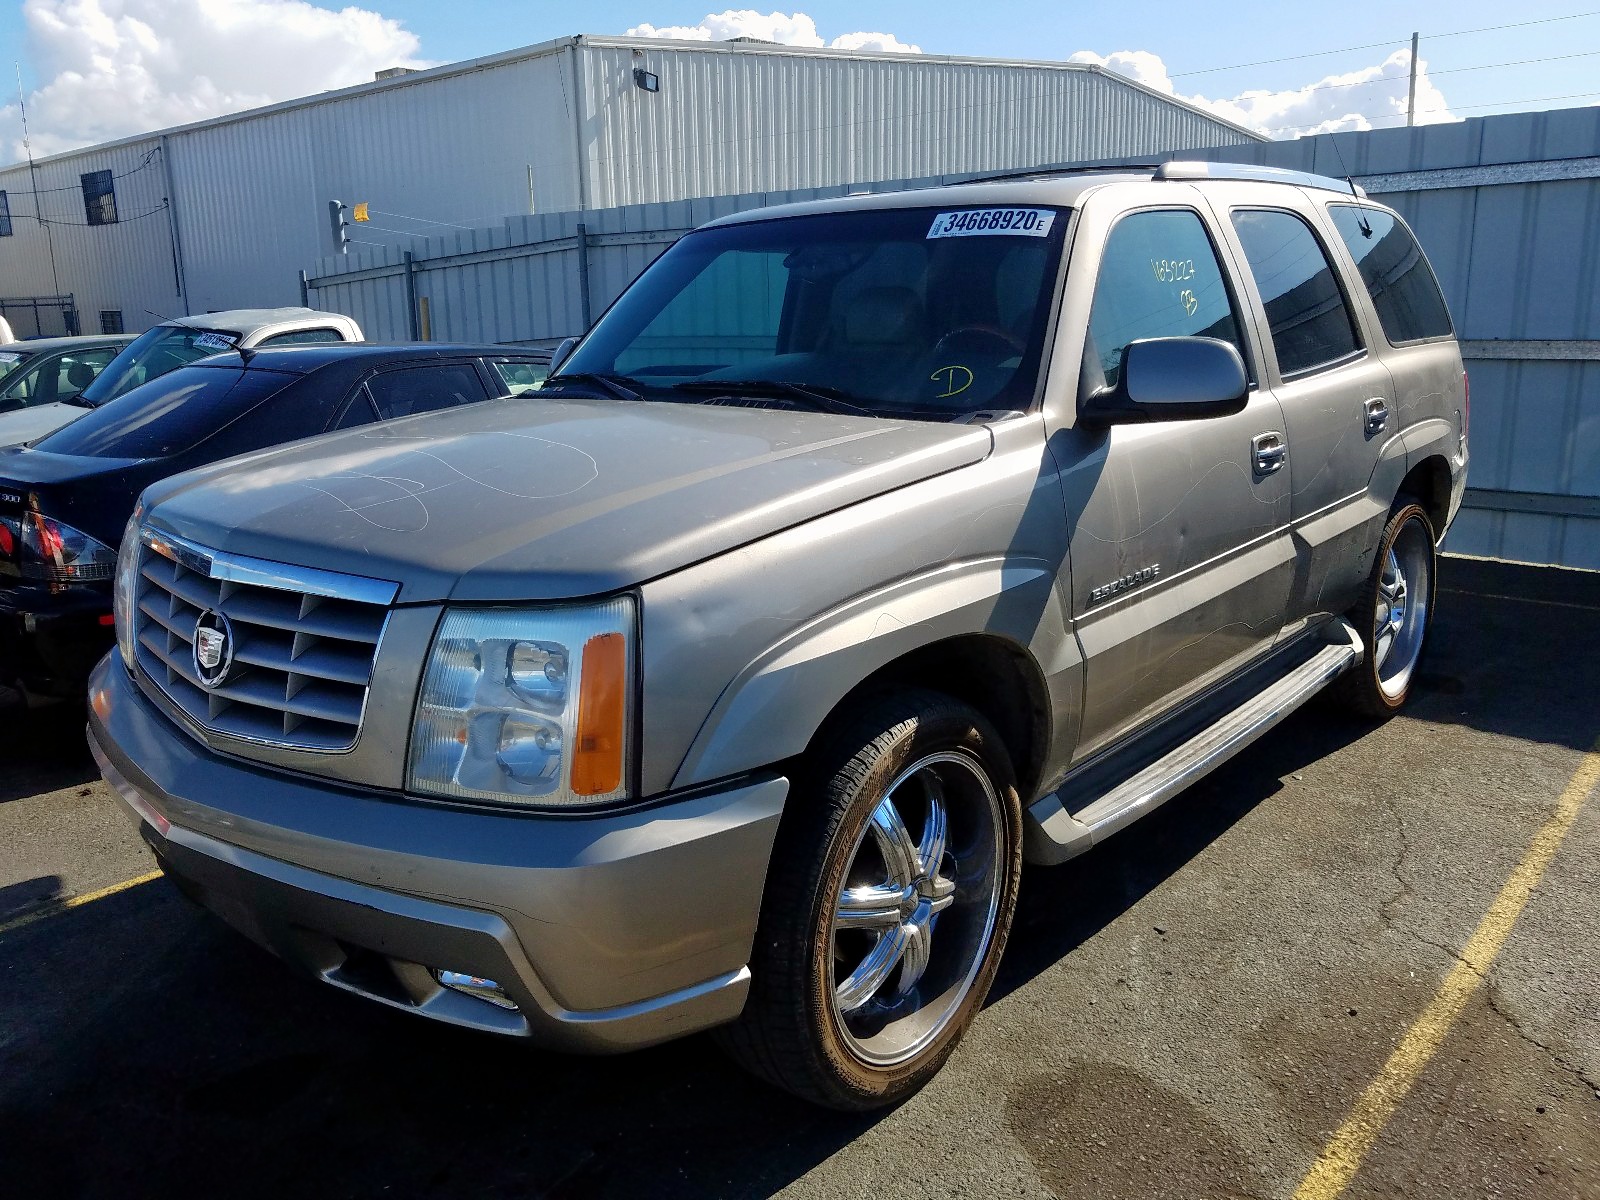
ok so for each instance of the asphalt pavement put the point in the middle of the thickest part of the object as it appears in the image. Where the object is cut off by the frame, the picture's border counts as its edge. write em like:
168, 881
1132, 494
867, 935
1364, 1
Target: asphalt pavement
1193, 1010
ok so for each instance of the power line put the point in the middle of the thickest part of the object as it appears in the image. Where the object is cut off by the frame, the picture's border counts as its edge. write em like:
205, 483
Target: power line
144, 164
1442, 108
1526, 62
1375, 45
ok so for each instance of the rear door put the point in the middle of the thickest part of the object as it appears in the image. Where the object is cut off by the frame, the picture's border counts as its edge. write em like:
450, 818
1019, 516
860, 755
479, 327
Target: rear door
1337, 397
1180, 563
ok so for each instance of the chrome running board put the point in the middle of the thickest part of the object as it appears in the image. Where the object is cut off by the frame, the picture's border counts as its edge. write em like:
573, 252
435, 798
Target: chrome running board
1054, 835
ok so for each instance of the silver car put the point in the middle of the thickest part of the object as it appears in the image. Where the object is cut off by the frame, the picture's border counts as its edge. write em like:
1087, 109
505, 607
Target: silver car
863, 551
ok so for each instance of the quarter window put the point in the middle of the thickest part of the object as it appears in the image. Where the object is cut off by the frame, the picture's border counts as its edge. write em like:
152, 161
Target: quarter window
1398, 277
1159, 277
521, 375
99, 198
1306, 311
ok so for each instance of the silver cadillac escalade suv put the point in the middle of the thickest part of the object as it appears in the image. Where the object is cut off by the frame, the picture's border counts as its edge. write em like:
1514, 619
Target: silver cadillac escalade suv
864, 550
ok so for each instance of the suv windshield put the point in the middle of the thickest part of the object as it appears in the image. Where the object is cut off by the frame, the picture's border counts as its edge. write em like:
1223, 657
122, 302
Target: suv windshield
167, 417
924, 312
153, 353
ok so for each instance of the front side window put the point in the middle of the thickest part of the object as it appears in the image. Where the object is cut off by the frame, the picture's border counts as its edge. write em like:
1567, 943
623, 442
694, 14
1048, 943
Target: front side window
917, 312
1310, 322
1159, 277
521, 376
1398, 277
99, 198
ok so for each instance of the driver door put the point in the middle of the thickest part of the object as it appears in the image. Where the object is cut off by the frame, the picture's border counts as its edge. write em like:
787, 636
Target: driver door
1180, 551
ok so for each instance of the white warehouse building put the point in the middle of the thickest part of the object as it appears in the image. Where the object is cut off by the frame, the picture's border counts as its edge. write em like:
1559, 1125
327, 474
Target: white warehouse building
225, 213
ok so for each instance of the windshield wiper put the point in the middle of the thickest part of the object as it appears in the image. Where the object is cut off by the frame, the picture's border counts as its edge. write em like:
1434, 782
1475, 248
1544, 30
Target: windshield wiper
814, 396
616, 385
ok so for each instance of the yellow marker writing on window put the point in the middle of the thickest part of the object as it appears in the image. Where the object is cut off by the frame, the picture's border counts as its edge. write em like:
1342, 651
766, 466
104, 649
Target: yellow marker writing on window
956, 379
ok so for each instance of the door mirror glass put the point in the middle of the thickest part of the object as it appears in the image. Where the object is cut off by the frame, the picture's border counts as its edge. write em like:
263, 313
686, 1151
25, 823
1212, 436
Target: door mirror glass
1172, 379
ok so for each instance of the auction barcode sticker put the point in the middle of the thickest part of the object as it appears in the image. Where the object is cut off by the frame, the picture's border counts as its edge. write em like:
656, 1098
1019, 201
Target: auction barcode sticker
215, 341
978, 222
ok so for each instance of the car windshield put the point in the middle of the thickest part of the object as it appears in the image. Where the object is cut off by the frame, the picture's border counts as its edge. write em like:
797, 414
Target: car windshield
168, 416
154, 353
910, 312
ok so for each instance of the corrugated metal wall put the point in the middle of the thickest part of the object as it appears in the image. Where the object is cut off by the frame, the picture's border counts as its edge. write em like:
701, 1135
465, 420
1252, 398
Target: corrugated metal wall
736, 119
1508, 209
469, 143
126, 267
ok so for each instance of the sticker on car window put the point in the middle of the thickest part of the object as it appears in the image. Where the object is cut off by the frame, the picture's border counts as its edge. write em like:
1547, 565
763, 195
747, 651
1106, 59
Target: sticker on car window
10, 360
215, 341
977, 222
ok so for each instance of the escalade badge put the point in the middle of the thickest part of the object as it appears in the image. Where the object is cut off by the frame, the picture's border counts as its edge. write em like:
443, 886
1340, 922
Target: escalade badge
213, 648
1117, 586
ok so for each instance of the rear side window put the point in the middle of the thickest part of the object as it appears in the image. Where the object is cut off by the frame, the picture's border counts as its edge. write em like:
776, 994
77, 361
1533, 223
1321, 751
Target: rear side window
168, 415
1310, 323
1398, 277
1159, 277
415, 390
300, 337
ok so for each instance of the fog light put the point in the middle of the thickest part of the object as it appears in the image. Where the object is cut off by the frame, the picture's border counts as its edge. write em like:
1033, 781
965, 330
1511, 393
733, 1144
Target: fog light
475, 985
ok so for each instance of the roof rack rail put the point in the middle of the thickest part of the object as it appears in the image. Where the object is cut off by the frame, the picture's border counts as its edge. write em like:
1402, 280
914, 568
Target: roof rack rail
1185, 171
1079, 169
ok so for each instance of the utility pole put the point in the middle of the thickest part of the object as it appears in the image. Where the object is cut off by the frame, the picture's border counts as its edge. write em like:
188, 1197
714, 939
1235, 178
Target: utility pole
1411, 98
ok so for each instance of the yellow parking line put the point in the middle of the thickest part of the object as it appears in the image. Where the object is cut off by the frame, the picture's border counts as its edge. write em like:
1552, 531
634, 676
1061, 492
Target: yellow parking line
51, 910
1345, 1151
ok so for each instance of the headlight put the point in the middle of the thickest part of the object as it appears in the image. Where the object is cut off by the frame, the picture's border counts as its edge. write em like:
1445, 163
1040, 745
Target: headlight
125, 591
527, 706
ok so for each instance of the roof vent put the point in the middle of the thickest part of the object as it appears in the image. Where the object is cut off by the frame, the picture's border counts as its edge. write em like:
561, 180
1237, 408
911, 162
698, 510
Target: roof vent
395, 72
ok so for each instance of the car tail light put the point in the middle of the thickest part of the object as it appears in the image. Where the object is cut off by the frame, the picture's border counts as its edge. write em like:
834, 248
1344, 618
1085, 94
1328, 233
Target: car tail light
56, 553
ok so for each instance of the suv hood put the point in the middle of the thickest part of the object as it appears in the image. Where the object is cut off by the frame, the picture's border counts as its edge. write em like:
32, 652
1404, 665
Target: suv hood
534, 499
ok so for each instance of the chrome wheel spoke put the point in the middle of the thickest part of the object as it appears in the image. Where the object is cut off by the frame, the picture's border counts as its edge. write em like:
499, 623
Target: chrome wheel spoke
865, 982
873, 906
919, 948
894, 842
936, 829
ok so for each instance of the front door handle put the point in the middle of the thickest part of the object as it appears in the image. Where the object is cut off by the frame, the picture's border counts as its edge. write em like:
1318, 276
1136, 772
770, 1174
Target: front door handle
1268, 451
1377, 412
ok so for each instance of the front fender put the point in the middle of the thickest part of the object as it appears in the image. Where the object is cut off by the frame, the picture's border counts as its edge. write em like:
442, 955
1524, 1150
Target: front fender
771, 709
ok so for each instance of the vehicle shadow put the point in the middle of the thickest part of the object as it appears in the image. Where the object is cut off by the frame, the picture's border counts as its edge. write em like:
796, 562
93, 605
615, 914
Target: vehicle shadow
44, 750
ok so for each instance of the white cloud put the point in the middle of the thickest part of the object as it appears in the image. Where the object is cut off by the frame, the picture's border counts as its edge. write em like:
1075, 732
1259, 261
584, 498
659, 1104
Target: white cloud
1370, 98
791, 29
120, 67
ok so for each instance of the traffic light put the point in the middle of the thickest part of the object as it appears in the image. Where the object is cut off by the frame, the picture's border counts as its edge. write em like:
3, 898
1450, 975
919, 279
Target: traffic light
340, 226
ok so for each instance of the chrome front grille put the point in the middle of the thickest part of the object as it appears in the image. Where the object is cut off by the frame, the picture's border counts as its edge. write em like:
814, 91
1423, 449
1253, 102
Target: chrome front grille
300, 644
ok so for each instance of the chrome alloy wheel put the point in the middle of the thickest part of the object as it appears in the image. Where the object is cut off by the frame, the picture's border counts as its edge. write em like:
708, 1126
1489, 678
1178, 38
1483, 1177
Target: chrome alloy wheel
914, 916
1400, 619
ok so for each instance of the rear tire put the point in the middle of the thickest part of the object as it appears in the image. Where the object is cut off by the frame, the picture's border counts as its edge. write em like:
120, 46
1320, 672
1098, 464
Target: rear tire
891, 892
1394, 614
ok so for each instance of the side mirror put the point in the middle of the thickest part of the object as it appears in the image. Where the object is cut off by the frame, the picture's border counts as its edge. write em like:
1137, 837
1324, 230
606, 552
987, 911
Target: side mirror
1172, 379
563, 351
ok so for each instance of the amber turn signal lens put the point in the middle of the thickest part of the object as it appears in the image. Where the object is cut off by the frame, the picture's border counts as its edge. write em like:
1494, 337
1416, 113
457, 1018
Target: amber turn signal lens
602, 703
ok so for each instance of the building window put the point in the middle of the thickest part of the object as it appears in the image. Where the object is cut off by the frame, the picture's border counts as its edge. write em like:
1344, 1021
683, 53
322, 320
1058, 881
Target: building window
5, 216
99, 198
110, 320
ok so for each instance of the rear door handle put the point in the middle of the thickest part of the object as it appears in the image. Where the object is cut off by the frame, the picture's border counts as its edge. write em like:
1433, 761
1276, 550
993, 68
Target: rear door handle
1268, 451
1377, 410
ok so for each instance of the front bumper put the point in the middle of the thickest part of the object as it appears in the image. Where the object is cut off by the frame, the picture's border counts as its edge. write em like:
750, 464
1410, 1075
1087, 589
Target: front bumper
50, 641
609, 932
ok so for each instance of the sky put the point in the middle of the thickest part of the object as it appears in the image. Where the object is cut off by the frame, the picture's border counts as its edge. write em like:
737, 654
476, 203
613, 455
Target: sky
94, 70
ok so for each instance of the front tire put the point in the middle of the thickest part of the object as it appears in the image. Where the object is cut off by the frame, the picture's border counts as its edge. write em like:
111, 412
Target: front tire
890, 896
1394, 613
